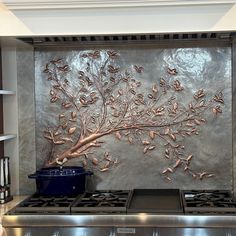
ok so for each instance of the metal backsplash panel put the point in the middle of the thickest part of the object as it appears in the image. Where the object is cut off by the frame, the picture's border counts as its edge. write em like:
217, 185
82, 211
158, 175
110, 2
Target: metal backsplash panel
234, 110
143, 163
26, 118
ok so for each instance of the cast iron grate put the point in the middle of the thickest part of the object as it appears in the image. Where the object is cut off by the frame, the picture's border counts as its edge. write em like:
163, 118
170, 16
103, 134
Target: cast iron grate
102, 201
208, 201
37, 204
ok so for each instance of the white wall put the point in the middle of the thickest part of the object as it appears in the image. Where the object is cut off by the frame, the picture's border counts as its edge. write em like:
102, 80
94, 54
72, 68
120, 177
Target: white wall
51, 17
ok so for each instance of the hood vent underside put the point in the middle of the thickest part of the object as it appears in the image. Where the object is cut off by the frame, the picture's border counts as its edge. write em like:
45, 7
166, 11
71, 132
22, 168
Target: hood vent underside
98, 39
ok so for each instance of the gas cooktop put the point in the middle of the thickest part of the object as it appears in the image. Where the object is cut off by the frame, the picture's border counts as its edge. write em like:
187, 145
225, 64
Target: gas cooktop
115, 201
208, 201
37, 204
138, 212
159, 201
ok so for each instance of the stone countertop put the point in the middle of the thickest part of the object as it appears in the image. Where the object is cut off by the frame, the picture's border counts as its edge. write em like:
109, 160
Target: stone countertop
7, 206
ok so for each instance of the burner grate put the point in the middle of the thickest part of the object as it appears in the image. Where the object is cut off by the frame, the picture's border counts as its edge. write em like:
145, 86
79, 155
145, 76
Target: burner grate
208, 201
102, 201
44, 205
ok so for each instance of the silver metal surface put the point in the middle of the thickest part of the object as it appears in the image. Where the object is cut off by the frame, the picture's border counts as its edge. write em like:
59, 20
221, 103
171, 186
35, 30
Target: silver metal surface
198, 67
58, 231
135, 220
118, 232
234, 111
195, 232
119, 225
82, 231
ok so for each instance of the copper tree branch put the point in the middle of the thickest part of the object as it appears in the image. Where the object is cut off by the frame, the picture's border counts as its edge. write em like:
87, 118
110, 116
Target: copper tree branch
95, 136
113, 103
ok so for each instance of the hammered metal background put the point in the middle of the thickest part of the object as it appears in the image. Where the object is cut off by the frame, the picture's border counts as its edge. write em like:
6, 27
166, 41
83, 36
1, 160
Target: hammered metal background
26, 118
208, 68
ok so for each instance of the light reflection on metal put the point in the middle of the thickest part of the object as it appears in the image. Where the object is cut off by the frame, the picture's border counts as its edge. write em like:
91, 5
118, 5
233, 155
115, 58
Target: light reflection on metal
143, 217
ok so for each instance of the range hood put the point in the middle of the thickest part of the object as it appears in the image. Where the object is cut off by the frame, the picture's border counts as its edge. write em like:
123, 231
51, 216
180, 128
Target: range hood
128, 38
97, 17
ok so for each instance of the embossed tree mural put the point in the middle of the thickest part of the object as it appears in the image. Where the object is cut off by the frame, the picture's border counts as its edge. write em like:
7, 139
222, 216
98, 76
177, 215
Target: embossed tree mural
108, 100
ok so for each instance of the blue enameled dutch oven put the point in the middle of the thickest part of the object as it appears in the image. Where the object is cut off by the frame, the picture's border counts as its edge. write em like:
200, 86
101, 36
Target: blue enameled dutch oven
60, 181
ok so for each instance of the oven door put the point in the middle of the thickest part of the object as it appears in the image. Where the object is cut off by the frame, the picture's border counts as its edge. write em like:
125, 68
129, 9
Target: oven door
67, 231
148, 231
195, 232
121, 231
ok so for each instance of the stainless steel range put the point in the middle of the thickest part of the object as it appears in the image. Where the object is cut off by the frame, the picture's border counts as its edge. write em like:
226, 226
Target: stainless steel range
139, 212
